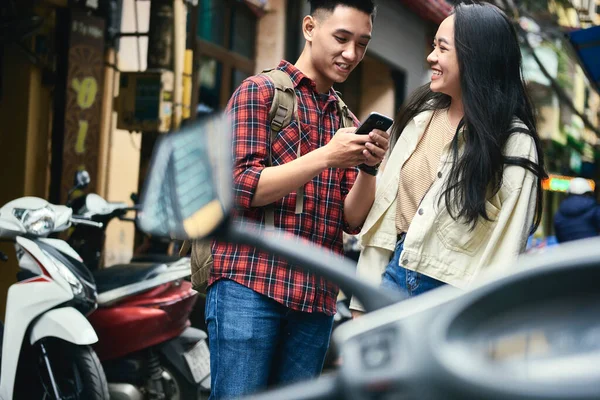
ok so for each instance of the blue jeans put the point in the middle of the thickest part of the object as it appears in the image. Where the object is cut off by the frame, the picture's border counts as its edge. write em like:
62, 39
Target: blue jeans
255, 341
405, 281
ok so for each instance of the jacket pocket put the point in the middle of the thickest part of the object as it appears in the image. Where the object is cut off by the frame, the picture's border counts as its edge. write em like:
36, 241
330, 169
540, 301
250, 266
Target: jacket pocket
458, 236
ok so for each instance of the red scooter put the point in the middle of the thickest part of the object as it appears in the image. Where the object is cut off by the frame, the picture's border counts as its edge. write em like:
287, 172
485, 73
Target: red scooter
146, 345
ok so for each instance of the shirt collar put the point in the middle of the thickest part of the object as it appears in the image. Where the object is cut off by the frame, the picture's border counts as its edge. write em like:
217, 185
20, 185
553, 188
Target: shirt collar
299, 78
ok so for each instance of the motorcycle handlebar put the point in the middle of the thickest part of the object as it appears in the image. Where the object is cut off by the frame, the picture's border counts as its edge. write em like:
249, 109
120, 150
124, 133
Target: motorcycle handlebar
324, 388
83, 221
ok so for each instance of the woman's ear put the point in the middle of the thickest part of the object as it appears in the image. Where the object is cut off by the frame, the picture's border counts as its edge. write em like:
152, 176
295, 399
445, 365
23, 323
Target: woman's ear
308, 27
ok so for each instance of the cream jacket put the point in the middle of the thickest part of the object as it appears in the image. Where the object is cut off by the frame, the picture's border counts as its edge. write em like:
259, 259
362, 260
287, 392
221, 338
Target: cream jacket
436, 245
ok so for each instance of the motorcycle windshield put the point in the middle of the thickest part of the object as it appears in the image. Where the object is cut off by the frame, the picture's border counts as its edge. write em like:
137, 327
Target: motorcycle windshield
188, 188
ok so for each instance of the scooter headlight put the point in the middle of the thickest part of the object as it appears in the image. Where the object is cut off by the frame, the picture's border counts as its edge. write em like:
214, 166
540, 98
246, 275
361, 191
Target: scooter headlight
76, 285
38, 222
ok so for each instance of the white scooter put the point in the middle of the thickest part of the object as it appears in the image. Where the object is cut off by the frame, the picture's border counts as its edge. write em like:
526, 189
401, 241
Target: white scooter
46, 333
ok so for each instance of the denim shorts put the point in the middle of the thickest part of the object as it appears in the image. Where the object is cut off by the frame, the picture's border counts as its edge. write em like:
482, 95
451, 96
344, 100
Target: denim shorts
405, 281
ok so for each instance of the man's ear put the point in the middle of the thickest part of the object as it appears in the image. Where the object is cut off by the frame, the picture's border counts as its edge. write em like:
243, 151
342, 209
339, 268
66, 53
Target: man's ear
309, 24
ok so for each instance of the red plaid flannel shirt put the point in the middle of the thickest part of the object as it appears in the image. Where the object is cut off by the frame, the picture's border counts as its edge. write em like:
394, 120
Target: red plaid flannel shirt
322, 221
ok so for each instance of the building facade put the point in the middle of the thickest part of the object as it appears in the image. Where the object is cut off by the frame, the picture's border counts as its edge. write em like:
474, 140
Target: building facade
61, 74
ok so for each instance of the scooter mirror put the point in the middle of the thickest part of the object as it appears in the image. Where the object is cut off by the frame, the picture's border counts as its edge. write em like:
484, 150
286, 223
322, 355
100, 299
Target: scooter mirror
82, 179
187, 193
95, 204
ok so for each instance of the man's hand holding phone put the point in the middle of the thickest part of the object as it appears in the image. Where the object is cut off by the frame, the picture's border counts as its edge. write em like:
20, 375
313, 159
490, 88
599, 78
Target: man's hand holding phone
375, 126
365, 146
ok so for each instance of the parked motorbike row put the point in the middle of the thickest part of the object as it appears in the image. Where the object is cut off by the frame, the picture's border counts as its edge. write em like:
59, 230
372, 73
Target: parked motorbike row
74, 330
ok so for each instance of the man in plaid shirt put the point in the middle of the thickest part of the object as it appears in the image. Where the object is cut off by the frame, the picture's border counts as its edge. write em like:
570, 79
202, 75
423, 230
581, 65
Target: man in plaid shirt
269, 322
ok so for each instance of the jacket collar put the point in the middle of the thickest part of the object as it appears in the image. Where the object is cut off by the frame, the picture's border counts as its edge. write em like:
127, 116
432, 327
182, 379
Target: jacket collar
422, 119
387, 184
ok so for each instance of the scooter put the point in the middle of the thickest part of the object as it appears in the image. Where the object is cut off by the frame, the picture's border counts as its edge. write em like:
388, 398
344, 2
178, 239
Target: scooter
531, 334
146, 345
46, 339
89, 241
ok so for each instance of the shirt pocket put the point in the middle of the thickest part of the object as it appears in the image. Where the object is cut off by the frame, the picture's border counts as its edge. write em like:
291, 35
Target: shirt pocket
284, 146
458, 235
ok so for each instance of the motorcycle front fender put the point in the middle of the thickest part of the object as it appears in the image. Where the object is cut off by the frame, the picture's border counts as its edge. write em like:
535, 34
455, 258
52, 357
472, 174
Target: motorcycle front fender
64, 323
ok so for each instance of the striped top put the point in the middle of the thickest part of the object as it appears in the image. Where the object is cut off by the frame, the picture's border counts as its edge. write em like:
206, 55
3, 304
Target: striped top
419, 171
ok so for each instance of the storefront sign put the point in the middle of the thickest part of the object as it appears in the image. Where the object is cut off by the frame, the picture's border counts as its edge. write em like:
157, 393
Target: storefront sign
83, 109
560, 183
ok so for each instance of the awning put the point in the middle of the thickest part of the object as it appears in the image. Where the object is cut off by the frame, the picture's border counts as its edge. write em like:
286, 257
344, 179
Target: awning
258, 6
433, 10
587, 45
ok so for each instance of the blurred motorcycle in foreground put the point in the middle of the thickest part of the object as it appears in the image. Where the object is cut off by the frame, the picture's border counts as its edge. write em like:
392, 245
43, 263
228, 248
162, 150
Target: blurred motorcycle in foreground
534, 334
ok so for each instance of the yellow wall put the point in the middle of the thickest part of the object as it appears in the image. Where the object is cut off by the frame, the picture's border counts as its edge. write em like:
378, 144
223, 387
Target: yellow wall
549, 123
579, 86
122, 181
566, 17
24, 135
123, 163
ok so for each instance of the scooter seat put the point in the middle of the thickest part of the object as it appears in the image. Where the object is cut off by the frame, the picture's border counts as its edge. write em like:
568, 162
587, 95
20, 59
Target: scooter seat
121, 275
155, 258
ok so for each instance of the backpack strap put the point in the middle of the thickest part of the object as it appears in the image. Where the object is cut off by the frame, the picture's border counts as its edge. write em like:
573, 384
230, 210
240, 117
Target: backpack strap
346, 120
284, 108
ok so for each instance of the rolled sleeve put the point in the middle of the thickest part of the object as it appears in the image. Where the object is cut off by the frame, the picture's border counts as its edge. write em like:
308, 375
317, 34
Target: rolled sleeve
249, 114
347, 182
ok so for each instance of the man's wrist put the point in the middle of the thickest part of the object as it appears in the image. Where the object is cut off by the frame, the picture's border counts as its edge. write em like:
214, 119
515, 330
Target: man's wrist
371, 170
323, 157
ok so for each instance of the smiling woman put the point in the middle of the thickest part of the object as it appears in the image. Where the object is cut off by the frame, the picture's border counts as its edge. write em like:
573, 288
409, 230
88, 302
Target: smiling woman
444, 65
466, 163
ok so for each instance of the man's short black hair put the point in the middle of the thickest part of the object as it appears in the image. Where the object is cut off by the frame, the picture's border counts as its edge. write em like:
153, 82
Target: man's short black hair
366, 6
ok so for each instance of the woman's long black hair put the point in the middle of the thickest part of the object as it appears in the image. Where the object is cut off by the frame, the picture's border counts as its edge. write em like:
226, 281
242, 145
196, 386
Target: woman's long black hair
493, 93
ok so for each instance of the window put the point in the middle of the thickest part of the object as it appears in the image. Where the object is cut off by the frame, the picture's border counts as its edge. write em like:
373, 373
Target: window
225, 51
586, 102
243, 31
238, 77
293, 29
210, 74
399, 78
211, 14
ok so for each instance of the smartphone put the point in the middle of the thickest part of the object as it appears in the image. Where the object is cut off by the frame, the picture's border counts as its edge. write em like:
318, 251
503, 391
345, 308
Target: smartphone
374, 121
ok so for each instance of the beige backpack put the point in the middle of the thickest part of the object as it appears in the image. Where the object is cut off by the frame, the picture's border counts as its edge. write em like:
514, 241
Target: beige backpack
283, 110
